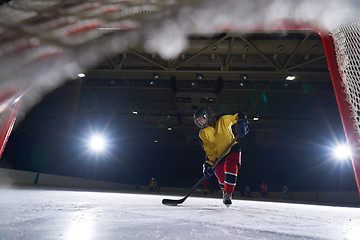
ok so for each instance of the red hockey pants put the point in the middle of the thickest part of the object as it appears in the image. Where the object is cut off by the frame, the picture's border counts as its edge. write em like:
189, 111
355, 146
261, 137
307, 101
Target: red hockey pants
226, 172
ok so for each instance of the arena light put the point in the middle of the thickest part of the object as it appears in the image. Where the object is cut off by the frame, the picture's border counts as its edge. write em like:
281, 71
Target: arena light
97, 143
156, 75
290, 78
342, 152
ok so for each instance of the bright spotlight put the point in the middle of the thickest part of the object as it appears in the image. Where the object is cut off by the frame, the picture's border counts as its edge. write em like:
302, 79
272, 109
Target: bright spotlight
97, 143
342, 152
290, 78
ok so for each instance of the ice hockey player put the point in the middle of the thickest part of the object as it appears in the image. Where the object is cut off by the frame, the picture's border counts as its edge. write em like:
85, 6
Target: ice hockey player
216, 133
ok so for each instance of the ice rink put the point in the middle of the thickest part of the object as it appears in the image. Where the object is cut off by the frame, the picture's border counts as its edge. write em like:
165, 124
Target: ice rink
28, 213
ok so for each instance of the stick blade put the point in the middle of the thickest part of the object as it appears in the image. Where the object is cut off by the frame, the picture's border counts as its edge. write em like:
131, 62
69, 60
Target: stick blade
172, 202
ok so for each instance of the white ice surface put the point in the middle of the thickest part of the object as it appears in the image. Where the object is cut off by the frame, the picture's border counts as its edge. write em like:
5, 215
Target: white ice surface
54, 214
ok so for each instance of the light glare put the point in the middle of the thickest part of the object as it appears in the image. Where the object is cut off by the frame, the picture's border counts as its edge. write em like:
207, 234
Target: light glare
342, 152
97, 143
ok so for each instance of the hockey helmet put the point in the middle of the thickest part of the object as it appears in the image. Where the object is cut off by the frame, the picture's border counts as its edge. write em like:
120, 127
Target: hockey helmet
203, 117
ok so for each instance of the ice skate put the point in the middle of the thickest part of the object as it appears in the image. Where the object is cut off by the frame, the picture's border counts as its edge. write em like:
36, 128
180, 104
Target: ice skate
227, 199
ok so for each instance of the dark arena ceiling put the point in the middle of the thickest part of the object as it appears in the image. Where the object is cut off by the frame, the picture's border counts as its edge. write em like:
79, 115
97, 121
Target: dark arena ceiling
230, 72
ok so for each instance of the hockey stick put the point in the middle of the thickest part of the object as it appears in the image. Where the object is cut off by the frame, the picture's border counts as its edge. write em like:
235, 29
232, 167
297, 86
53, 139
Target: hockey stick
174, 202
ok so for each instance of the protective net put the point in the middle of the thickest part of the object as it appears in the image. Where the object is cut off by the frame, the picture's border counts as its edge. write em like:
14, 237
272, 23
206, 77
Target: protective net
347, 44
43, 44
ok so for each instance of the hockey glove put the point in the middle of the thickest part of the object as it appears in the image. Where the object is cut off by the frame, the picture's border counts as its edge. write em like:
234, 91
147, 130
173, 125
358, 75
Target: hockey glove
207, 170
243, 127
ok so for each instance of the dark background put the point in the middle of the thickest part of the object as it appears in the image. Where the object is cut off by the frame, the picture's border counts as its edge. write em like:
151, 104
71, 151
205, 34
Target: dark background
302, 160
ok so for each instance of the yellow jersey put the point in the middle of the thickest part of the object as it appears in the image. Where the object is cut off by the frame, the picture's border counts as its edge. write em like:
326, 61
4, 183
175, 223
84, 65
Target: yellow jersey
216, 140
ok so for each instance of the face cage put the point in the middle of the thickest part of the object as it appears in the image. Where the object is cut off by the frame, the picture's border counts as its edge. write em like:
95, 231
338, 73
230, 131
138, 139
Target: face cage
201, 126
